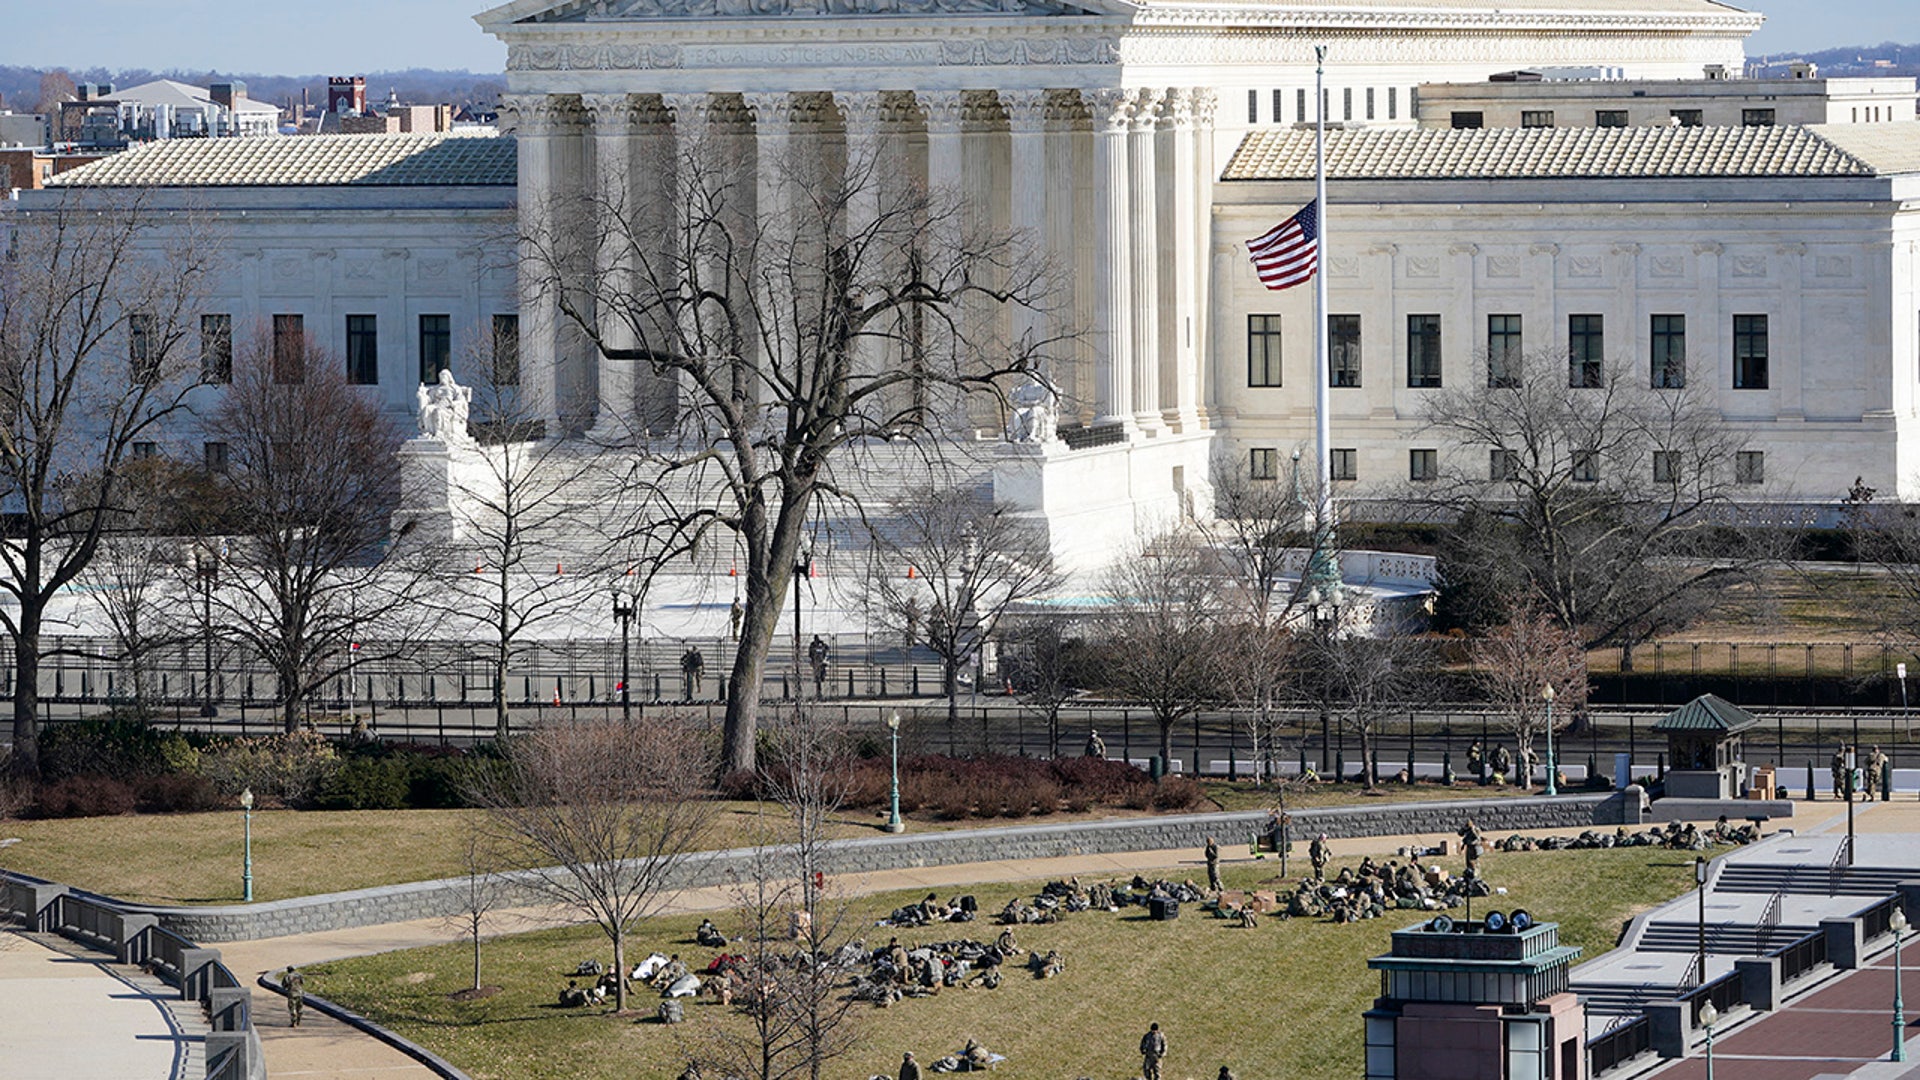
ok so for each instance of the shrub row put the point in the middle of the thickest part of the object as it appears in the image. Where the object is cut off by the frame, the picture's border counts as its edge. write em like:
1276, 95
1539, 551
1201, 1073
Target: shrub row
993, 786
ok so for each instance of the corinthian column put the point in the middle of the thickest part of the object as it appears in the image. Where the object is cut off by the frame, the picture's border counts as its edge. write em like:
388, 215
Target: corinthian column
1194, 386
534, 119
1143, 203
692, 114
866, 180
1111, 109
1032, 200
611, 202
773, 211
1179, 294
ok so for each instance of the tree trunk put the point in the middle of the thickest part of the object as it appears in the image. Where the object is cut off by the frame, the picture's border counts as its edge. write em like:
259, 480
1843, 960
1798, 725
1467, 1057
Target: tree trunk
950, 686
502, 730
619, 968
1166, 743
1366, 757
26, 689
476, 954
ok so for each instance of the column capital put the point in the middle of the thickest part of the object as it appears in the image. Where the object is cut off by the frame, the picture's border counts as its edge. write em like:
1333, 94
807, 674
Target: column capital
1206, 105
533, 114
1145, 115
1178, 108
613, 113
1110, 106
1027, 110
772, 110
862, 111
690, 109
946, 109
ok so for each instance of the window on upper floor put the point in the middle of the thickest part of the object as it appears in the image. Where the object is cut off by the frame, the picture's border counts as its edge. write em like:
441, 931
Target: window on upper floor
1263, 463
1756, 117
1502, 466
1610, 118
1503, 351
216, 348
1423, 351
1423, 465
1536, 118
1668, 340
1466, 120
1253, 106
436, 346
363, 350
1343, 350
1586, 351
1263, 350
1749, 352
506, 350
1586, 467
289, 349
1393, 103
1750, 467
1341, 463
1687, 118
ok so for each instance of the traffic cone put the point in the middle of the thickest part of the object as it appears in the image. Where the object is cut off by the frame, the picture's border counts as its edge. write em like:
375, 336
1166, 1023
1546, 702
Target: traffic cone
909, 573
559, 569
477, 568
556, 697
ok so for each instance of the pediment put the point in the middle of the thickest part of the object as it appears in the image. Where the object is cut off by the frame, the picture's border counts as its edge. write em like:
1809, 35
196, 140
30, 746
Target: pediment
541, 12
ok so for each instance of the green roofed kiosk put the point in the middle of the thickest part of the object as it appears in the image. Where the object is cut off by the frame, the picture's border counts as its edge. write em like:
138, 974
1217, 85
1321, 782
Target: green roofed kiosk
1704, 747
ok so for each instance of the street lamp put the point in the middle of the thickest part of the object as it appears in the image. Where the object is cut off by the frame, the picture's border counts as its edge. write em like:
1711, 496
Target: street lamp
246, 867
1325, 607
1708, 1017
894, 824
207, 568
1899, 927
623, 611
1850, 790
1700, 887
1553, 787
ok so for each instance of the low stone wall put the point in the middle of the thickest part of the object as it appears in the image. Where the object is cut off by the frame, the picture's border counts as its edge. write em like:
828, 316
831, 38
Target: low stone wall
429, 899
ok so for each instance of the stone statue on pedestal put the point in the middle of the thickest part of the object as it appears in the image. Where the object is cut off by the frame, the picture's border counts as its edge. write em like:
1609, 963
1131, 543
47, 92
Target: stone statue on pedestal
1035, 417
444, 405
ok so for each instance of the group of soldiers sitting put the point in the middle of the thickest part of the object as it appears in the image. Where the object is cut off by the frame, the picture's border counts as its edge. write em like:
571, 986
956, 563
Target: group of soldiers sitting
1685, 836
894, 971
932, 910
1370, 890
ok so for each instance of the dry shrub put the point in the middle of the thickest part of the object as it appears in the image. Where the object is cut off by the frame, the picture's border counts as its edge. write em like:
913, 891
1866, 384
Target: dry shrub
85, 796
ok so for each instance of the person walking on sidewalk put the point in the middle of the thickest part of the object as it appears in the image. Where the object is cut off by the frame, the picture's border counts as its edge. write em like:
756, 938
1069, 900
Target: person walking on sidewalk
295, 984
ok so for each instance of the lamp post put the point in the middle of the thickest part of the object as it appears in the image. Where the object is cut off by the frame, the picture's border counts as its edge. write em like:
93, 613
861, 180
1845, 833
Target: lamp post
1325, 606
207, 569
1700, 887
1901, 670
894, 824
1708, 1017
246, 865
1553, 787
623, 611
1850, 789
1899, 1005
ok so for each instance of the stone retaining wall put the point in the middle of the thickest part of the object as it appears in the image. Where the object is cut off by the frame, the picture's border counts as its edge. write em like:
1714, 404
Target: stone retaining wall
428, 899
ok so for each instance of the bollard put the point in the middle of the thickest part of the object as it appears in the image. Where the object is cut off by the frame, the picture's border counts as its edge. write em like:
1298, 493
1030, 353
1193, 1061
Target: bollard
1809, 781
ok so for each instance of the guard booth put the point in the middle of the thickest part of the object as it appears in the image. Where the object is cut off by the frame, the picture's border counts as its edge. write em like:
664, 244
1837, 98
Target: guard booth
1705, 748
1477, 1001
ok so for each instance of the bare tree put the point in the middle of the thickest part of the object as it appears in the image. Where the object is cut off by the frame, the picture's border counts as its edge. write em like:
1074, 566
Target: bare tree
795, 933
518, 517
1048, 664
845, 310
971, 563
481, 892
135, 579
1161, 634
1358, 681
1520, 659
1592, 495
603, 811
99, 308
305, 505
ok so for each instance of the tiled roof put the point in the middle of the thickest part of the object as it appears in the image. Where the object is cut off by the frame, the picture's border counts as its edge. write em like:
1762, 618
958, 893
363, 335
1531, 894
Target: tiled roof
304, 161
1707, 713
1584, 7
1496, 153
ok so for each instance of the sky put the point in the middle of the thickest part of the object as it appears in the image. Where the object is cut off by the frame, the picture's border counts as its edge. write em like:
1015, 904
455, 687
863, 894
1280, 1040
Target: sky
346, 36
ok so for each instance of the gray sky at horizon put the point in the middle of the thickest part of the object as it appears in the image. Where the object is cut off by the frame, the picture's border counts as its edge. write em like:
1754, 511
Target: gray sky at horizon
355, 36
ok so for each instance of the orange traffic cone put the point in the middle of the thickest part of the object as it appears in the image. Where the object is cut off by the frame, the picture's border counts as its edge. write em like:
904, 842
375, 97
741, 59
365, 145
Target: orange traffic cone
909, 573
559, 569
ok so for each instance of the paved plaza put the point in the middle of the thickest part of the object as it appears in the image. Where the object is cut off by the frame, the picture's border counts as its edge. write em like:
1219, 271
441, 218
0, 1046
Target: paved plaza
78, 1017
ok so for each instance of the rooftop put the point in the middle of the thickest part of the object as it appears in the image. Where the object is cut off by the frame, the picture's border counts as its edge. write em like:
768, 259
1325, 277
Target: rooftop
306, 161
182, 96
1827, 150
1707, 713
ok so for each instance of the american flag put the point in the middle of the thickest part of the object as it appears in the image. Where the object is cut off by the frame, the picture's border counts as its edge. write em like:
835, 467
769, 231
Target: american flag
1287, 254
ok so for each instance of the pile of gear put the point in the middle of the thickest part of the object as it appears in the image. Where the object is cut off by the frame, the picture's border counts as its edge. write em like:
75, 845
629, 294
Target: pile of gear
895, 971
931, 910
1682, 837
1058, 898
1370, 890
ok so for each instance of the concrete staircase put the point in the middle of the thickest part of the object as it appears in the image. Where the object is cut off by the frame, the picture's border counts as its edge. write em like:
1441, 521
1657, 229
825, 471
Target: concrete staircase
1722, 939
1814, 880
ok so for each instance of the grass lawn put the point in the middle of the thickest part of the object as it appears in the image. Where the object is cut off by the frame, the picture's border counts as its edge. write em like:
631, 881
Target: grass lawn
1283, 1000
195, 858
1244, 796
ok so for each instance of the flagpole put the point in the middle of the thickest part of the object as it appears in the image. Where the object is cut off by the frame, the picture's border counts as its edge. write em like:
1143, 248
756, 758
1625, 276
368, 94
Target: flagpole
1322, 366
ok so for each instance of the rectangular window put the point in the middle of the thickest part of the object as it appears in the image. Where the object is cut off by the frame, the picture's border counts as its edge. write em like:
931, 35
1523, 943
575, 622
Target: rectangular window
506, 350
363, 350
1586, 466
145, 451
1263, 463
1463, 121
1669, 341
1253, 106
1756, 117
1346, 103
1687, 117
1503, 351
142, 349
1610, 118
1423, 351
1586, 350
215, 456
436, 346
1369, 102
1393, 103
216, 348
1423, 465
289, 349
1263, 350
1666, 467
1749, 352
1279, 106
1536, 118
1341, 464
1343, 350
1750, 467
1502, 466
1300, 106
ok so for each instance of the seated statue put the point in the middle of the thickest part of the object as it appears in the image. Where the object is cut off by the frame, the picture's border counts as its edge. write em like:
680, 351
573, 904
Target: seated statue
443, 409
1035, 417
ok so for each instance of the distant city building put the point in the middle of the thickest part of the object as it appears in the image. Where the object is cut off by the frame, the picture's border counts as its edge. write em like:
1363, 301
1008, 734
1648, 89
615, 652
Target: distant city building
1537, 100
162, 109
24, 129
24, 168
348, 113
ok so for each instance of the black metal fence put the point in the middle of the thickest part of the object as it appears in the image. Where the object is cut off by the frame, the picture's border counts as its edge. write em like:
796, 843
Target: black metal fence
1801, 956
1619, 1045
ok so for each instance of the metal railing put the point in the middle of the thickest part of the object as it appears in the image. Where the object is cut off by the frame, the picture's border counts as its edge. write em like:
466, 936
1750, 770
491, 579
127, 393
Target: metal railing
1876, 919
1837, 866
1801, 956
1690, 978
1093, 435
1725, 992
1769, 922
1619, 1044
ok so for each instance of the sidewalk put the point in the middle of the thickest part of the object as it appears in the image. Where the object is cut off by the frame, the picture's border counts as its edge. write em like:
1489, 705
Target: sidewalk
74, 1018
